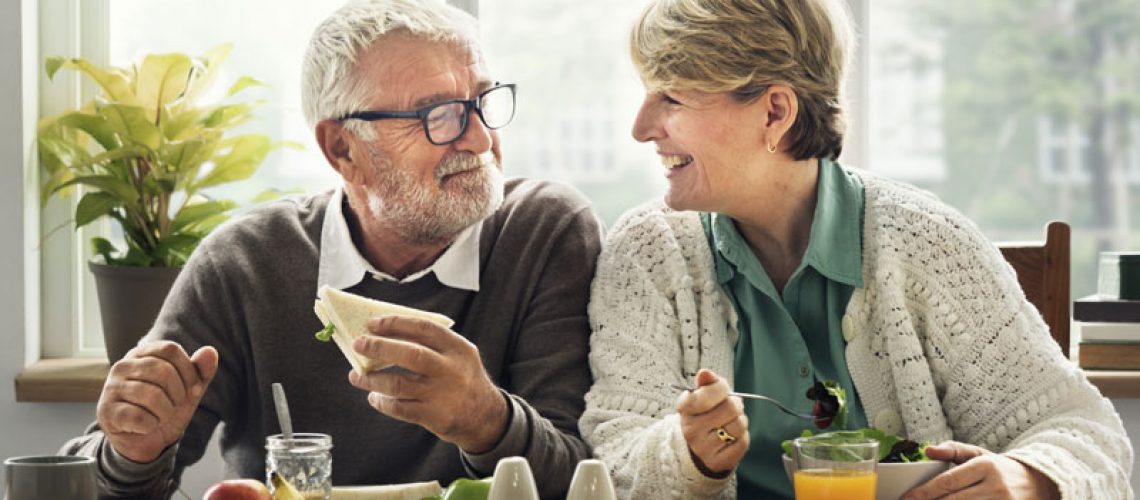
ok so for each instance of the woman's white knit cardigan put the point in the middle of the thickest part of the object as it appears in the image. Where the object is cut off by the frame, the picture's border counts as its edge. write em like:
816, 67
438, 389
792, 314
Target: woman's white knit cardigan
941, 344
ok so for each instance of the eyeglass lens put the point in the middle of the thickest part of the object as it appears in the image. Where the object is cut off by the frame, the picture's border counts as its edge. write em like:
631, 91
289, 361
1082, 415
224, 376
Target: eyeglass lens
448, 121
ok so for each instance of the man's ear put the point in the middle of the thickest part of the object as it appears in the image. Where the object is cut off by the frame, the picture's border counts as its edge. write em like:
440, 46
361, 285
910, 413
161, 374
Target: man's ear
334, 141
782, 107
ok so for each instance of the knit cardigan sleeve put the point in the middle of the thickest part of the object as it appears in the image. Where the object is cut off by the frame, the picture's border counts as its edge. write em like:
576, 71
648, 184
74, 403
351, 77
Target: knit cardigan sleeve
645, 311
941, 293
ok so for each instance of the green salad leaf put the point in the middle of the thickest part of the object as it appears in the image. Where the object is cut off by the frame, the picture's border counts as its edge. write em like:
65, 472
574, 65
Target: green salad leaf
830, 404
326, 333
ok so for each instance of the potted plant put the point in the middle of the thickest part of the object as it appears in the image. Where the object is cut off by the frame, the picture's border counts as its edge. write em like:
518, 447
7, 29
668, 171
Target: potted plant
143, 153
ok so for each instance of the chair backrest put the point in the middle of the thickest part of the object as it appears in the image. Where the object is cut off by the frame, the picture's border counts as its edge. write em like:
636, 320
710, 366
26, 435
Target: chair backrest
1043, 271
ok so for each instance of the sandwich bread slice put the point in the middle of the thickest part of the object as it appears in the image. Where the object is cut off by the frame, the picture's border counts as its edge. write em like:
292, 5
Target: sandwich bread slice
345, 316
409, 491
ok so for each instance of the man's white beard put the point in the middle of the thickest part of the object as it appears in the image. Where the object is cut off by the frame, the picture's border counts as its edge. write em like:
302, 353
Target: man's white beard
422, 215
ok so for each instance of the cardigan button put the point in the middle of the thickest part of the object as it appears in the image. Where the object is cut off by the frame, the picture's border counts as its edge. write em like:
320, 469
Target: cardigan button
848, 329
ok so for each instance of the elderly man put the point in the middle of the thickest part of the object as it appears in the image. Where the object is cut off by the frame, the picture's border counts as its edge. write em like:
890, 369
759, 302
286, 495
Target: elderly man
405, 111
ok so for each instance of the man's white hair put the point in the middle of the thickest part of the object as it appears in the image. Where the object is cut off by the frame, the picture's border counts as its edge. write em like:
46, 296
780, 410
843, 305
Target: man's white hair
330, 86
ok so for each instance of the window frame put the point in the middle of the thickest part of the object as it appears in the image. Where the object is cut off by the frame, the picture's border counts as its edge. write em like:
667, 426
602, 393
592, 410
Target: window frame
68, 322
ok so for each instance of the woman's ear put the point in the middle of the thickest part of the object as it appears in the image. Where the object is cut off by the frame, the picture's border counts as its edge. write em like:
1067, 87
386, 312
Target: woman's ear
335, 143
782, 108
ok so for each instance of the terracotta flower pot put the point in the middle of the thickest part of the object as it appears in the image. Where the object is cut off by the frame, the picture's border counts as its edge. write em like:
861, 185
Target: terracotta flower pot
129, 301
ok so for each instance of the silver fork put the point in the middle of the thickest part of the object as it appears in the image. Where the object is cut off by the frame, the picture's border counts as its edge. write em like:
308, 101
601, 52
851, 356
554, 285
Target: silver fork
766, 399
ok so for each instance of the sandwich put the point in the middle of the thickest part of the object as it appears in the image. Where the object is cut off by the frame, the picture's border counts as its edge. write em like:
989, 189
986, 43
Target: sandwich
345, 316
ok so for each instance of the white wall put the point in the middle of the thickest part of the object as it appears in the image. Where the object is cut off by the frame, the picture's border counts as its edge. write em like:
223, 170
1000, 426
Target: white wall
39, 428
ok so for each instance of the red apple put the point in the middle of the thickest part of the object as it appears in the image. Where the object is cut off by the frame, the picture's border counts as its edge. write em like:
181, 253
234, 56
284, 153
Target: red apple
238, 489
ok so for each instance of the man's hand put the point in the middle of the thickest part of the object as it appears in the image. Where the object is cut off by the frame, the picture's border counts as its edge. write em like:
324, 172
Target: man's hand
704, 412
982, 474
150, 395
447, 390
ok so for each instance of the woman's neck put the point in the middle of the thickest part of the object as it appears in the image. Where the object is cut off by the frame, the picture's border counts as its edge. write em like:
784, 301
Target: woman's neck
775, 218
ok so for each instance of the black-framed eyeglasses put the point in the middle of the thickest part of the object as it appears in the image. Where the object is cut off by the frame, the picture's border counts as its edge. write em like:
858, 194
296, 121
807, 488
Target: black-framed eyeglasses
445, 122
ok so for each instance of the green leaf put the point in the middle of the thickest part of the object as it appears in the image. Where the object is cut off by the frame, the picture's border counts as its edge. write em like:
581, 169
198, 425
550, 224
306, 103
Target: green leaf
109, 184
136, 257
109, 160
63, 151
103, 247
178, 123
326, 333
52, 185
204, 74
115, 83
131, 124
176, 248
274, 194
244, 83
181, 156
198, 212
52, 65
210, 223
162, 78
245, 154
95, 126
92, 206
228, 116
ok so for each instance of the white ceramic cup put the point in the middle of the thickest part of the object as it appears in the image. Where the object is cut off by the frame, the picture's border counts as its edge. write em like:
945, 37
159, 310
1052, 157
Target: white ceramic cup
50, 476
591, 482
513, 480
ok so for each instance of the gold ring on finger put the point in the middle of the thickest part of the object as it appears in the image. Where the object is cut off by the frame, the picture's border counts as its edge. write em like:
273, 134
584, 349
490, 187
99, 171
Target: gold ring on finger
723, 435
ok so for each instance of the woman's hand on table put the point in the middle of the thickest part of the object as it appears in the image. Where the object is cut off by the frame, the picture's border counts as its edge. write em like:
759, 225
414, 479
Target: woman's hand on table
982, 474
714, 425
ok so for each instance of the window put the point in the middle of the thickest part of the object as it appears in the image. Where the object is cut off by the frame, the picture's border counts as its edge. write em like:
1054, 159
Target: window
1016, 113
578, 95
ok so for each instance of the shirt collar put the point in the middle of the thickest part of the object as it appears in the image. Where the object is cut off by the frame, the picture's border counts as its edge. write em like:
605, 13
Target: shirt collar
341, 266
835, 247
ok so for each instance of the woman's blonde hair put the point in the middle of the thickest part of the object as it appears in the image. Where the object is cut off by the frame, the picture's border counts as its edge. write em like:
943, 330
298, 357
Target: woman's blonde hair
745, 46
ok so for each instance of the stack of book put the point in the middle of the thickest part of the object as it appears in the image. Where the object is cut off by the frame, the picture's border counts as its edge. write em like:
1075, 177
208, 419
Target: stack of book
1109, 333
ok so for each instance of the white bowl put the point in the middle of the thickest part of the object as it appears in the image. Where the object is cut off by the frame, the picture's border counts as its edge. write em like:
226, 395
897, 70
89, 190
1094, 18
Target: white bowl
894, 479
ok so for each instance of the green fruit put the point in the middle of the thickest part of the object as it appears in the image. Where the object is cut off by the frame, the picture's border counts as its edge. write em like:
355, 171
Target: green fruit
468, 489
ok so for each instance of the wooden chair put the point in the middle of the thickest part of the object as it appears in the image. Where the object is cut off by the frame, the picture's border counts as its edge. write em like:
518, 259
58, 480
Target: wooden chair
1043, 271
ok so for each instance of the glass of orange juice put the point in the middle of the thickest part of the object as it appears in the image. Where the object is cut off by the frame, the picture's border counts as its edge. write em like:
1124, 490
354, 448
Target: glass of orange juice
838, 465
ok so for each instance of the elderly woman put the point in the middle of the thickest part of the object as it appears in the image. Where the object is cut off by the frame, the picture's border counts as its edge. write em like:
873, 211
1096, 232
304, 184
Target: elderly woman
770, 267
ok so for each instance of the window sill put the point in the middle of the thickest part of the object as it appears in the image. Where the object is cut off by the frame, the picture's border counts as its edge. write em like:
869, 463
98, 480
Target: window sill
62, 380
81, 380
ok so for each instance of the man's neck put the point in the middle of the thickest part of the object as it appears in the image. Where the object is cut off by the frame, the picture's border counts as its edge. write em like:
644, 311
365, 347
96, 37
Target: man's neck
389, 252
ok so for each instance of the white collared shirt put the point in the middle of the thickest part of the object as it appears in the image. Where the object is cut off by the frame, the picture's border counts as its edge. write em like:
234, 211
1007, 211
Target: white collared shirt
342, 266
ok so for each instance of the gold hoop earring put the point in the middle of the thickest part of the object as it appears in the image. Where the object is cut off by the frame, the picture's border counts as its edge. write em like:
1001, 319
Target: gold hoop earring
771, 148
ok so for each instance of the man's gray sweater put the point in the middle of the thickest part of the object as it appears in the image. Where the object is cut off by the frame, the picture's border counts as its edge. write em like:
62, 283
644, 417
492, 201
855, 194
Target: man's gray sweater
249, 289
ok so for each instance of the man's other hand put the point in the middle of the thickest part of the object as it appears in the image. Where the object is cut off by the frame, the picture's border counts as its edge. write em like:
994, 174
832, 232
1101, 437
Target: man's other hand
150, 395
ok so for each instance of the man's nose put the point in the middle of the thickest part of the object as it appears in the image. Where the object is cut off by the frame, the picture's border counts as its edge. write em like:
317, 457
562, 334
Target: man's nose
477, 138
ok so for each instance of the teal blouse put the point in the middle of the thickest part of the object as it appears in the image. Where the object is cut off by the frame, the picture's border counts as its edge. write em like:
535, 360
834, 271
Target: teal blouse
789, 341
